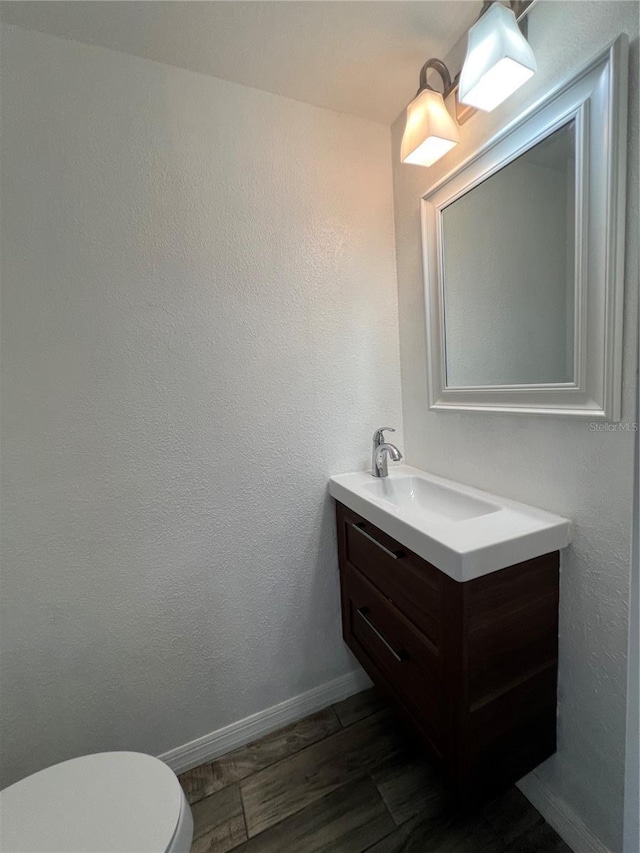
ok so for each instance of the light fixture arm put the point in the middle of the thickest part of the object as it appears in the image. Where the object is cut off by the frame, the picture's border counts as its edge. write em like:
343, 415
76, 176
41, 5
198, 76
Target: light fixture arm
520, 9
441, 69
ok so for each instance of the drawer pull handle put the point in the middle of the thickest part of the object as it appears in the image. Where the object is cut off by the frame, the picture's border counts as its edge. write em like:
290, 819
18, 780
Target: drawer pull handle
362, 612
393, 554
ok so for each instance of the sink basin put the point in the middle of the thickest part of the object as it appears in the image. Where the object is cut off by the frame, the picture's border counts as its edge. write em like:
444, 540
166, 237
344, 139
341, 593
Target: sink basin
463, 531
416, 495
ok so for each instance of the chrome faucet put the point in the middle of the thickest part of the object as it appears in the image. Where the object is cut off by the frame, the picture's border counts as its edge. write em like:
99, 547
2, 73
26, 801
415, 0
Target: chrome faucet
382, 452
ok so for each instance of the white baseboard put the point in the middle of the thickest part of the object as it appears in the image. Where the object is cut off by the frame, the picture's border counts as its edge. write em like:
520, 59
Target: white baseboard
557, 813
224, 740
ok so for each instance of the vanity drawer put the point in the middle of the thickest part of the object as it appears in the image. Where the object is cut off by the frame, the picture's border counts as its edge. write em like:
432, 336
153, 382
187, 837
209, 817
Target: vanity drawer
406, 658
412, 584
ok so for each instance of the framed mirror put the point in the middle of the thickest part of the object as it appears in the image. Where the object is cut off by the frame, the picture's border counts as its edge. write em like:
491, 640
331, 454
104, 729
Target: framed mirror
523, 249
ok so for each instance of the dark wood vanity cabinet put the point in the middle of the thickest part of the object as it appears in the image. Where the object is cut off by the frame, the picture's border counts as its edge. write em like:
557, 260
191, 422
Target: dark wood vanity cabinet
473, 666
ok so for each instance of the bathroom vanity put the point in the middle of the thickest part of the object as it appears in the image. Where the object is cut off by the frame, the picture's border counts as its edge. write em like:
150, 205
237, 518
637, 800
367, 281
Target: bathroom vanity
465, 644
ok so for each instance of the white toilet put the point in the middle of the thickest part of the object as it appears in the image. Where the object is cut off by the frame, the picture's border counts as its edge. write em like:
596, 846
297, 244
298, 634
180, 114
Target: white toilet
111, 802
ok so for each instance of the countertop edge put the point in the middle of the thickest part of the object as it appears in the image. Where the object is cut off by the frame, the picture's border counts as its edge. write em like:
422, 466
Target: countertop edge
460, 566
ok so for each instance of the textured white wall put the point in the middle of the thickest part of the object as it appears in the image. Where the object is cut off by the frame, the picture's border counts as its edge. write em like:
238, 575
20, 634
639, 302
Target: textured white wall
555, 463
632, 769
199, 327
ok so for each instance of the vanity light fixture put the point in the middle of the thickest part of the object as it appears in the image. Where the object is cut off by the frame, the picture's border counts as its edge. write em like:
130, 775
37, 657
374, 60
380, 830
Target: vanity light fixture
499, 58
498, 61
430, 130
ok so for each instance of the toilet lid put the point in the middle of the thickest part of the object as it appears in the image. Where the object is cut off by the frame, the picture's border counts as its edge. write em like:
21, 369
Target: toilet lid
112, 802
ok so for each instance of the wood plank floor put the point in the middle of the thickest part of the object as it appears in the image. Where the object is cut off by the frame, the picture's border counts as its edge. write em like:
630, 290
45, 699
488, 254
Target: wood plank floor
348, 779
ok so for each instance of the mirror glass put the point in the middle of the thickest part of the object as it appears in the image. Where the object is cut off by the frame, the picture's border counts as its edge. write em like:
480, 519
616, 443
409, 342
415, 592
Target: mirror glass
508, 274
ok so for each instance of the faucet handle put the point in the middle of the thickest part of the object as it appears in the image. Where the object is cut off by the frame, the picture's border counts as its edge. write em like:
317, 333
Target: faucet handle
378, 436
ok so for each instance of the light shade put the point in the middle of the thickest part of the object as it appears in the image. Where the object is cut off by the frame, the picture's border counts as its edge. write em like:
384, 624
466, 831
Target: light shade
499, 60
430, 130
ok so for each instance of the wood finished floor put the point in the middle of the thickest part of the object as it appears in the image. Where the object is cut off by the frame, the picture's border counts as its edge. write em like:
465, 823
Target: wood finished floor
348, 779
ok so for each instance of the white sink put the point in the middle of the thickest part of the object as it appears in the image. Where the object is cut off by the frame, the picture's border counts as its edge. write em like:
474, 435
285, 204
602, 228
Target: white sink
417, 495
463, 531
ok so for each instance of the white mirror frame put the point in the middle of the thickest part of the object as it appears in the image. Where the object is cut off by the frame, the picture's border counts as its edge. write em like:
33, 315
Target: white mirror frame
597, 100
